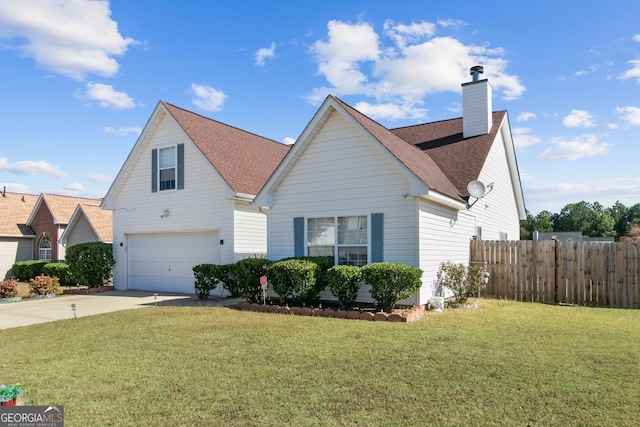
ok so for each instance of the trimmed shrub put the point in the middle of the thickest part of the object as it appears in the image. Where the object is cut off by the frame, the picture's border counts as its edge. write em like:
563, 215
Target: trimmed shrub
8, 288
391, 282
208, 277
44, 285
59, 270
26, 270
247, 274
90, 264
462, 281
311, 297
344, 282
293, 278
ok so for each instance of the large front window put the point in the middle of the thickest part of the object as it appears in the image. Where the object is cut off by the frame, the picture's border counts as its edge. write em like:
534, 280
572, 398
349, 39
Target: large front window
44, 249
344, 239
167, 167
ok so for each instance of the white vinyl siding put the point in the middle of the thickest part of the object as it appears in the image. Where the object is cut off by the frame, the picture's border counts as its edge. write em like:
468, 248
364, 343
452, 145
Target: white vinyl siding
341, 174
250, 231
202, 206
497, 213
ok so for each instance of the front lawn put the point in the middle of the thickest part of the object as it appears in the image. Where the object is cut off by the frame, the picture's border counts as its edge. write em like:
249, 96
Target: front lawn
506, 363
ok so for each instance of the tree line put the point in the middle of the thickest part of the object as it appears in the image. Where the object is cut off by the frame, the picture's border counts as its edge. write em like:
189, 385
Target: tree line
592, 219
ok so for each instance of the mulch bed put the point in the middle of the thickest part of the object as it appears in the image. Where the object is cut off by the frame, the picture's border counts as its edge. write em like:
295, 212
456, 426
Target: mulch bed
84, 291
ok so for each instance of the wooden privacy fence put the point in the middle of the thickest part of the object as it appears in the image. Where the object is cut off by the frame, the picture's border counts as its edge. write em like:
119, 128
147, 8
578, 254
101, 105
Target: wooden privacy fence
549, 271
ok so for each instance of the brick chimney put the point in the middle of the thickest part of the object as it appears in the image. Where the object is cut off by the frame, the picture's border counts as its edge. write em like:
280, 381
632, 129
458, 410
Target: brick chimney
476, 105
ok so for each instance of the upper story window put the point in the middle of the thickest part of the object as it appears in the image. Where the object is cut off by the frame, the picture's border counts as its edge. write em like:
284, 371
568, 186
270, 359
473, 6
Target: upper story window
167, 168
44, 249
344, 239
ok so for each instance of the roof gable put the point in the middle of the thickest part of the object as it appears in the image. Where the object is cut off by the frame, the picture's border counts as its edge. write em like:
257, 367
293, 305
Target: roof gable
244, 160
100, 221
15, 210
61, 207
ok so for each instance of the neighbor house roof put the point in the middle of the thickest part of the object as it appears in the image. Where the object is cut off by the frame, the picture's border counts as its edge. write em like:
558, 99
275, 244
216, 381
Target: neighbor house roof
244, 160
100, 219
15, 210
460, 159
61, 207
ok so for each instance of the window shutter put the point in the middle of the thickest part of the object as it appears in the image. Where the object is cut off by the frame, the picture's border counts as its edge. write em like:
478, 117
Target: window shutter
377, 237
298, 236
154, 170
180, 171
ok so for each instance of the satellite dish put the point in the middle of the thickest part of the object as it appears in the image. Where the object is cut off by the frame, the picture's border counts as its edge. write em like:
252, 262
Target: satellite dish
476, 189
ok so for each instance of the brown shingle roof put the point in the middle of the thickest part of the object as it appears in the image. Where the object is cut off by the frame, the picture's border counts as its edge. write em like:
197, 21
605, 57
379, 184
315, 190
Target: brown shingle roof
15, 210
62, 207
244, 160
101, 220
460, 159
417, 160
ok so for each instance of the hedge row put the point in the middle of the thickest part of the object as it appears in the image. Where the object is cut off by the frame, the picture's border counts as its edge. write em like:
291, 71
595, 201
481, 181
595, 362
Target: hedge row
300, 280
90, 264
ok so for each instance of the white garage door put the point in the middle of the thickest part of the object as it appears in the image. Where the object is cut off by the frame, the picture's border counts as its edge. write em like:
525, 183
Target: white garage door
164, 262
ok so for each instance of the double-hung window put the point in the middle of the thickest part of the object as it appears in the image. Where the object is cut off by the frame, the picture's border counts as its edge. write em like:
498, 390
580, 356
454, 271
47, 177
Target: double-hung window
167, 168
344, 239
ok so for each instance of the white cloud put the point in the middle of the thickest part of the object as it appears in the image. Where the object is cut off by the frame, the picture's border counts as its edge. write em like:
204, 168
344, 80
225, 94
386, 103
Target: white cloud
288, 140
123, 131
578, 118
98, 177
525, 116
390, 111
521, 137
74, 187
413, 64
265, 53
106, 96
630, 114
30, 167
636, 38
73, 38
633, 73
585, 146
207, 98
525, 176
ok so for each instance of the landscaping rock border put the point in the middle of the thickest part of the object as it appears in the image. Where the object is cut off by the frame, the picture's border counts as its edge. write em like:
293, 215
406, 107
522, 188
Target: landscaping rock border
410, 315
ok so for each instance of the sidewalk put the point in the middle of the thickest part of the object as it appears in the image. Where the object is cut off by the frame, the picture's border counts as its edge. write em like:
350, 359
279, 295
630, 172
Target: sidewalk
31, 312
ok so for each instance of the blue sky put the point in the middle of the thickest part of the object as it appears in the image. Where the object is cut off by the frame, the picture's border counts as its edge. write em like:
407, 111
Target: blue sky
80, 79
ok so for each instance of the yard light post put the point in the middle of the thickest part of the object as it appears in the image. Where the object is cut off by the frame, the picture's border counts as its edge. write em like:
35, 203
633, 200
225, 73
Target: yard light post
73, 307
155, 299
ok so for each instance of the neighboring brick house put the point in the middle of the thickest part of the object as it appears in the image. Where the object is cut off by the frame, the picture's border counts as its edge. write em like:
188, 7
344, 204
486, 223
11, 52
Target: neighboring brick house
49, 219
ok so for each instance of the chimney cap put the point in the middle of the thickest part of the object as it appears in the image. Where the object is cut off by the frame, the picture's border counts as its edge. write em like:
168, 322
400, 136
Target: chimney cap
475, 71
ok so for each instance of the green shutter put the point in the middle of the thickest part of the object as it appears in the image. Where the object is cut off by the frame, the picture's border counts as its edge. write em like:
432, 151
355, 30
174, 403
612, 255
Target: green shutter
377, 237
180, 171
154, 170
298, 236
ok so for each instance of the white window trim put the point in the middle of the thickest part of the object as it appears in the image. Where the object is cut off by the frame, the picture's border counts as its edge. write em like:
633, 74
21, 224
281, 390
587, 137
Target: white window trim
336, 245
174, 167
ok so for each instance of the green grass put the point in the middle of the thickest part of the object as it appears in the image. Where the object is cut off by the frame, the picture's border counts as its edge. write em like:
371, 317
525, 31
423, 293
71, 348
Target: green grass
505, 364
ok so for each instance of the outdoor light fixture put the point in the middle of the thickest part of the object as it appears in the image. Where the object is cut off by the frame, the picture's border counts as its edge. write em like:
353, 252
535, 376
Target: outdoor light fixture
73, 307
155, 298
165, 213
485, 279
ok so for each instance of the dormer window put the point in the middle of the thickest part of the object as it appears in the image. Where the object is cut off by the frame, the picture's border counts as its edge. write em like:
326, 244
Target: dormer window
167, 168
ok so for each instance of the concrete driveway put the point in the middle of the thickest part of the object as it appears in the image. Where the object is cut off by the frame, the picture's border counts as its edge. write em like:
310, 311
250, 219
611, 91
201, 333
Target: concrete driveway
31, 312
